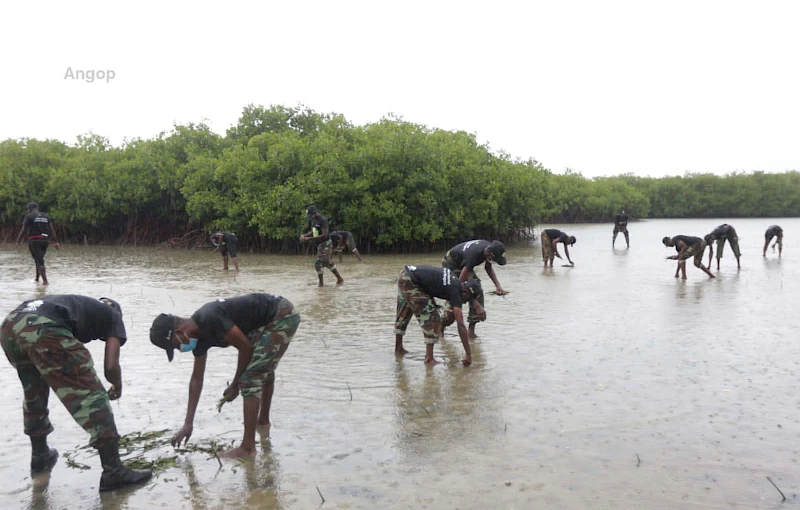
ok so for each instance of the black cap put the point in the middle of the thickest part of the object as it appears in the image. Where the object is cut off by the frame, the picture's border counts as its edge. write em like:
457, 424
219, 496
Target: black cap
113, 304
474, 288
161, 333
573, 239
32, 205
666, 240
498, 249
311, 209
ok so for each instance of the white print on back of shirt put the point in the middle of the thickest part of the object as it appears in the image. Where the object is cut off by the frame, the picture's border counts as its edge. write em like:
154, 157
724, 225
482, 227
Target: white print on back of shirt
467, 245
445, 277
33, 306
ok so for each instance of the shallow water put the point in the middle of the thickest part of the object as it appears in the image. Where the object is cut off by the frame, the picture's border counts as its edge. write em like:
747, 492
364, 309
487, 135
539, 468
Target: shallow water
608, 385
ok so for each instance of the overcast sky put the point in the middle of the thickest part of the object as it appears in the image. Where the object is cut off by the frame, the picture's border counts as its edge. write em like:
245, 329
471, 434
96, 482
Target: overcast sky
601, 87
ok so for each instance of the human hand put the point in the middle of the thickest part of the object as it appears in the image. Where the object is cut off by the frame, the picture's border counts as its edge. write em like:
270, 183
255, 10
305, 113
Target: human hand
182, 435
467, 361
501, 292
115, 391
17, 245
57, 245
231, 392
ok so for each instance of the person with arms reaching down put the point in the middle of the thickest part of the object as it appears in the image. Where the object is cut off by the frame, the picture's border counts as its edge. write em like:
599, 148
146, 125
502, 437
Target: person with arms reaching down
776, 232
417, 288
225, 242
343, 239
43, 339
319, 234
550, 239
40, 231
687, 246
462, 259
721, 234
621, 225
260, 327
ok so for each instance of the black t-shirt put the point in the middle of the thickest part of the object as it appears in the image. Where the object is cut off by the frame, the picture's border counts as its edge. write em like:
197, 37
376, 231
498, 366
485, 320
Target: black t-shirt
228, 238
622, 220
468, 254
38, 224
555, 234
88, 318
773, 230
438, 282
721, 230
688, 240
216, 318
339, 235
318, 224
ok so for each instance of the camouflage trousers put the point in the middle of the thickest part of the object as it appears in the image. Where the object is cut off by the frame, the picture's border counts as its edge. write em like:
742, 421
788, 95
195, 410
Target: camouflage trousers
413, 301
733, 240
623, 229
547, 247
695, 251
349, 243
269, 344
47, 355
447, 311
324, 253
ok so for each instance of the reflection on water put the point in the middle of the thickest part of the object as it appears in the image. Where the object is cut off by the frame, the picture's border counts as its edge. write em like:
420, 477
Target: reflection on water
608, 385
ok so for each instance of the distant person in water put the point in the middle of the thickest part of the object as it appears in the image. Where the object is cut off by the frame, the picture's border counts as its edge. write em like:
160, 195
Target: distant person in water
225, 242
621, 225
687, 246
550, 239
777, 232
319, 234
721, 234
260, 327
417, 288
342, 239
40, 231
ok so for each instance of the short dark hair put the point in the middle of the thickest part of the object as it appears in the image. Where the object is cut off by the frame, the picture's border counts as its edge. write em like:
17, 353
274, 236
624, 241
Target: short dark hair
666, 240
32, 206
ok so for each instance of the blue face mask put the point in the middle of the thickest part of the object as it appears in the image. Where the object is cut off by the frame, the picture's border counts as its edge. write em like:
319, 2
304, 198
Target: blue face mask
190, 346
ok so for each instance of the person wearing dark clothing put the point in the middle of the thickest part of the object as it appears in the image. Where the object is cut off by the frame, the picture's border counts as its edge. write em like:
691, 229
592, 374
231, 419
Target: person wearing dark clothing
464, 258
621, 225
40, 231
417, 288
260, 327
343, 239
43, 340
777, 232
321, 237
225, 242
687, 246
550, 238
721, 234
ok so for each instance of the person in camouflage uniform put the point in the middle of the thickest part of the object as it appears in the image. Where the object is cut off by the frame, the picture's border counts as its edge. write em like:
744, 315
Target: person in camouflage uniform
260, 327
417, 288
43, 340
320, 234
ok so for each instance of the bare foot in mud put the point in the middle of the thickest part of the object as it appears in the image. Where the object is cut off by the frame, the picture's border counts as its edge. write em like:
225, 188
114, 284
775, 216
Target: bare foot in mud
239, 453
400, 352
431, 362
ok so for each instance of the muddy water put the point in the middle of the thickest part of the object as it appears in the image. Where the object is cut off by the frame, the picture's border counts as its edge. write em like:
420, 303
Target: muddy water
607, 385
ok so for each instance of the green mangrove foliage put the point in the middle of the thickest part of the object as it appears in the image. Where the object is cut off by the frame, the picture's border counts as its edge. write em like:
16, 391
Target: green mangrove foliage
396, 185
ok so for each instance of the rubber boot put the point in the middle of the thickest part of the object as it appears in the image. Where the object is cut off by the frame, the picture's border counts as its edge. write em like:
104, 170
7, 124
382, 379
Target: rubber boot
115, 474
42, 458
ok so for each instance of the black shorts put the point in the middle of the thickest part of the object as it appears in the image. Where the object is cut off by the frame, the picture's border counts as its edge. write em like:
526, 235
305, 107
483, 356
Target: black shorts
38, 248
228, 249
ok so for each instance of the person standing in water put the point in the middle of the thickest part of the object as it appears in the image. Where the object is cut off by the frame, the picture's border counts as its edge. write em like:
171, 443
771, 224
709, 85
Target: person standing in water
225, 242
43, 340
621, 225
40, 231
721, 234
342, 239
320, 235
777, 232
687, 246
260, 327
550, 239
